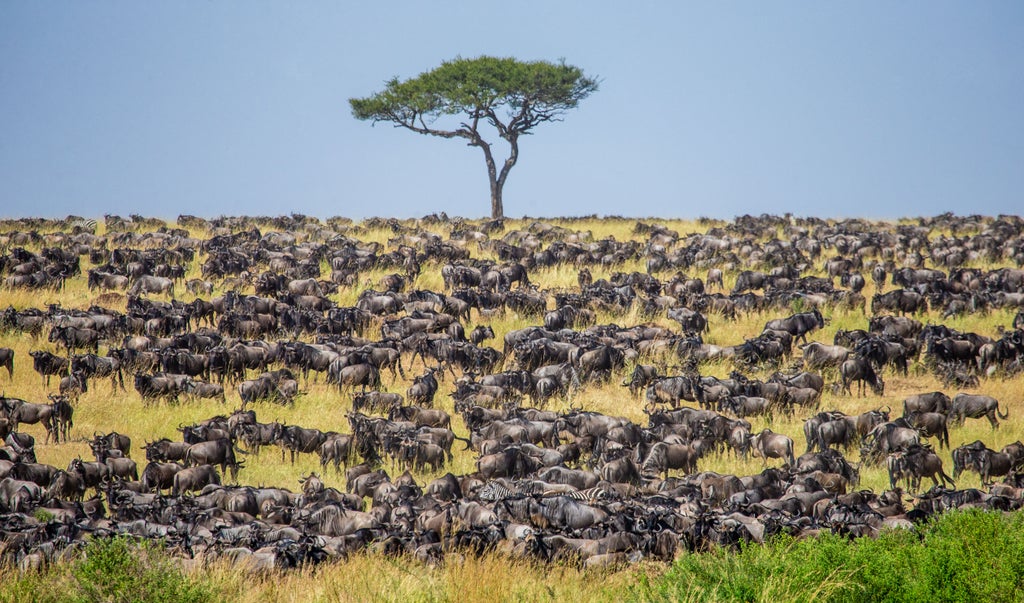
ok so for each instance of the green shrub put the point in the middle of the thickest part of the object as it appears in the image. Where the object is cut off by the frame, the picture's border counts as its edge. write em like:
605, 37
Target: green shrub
121, 570
961, 556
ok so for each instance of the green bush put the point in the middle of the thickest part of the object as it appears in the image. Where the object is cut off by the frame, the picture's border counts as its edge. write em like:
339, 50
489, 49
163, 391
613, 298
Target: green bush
108, 570
121, 570
961, 556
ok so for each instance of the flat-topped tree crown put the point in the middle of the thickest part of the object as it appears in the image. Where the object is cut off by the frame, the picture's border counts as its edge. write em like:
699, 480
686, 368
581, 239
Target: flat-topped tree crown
509, 95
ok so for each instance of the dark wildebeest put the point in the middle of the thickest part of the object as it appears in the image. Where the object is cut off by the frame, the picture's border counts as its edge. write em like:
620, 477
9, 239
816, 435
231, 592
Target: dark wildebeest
47, 364
364, 375
94, 367
151, 284
217, 452
914, 463
159, 476
664, 456
380, 402
930, 424
335, 449
74, 338
166, 450
929, 402
818, 356
769, 444
297, 439
161, 385
861, 371
671, 390
423, 389
193, 479
642, 376
73, 385
480, 334
199, 390
7, 361
19, 411
902, 301
798, 325
971, 406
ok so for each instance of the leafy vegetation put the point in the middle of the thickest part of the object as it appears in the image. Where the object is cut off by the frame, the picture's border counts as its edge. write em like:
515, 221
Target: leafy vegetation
115, 570
959, 556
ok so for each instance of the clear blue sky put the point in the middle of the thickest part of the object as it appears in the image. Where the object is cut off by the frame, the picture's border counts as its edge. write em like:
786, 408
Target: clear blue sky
875, 109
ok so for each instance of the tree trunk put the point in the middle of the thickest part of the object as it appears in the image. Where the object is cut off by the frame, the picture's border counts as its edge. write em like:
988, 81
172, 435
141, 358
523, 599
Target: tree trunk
497, 209
497, 180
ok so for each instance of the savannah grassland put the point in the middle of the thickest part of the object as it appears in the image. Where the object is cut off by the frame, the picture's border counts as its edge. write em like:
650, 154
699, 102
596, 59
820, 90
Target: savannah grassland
826, 569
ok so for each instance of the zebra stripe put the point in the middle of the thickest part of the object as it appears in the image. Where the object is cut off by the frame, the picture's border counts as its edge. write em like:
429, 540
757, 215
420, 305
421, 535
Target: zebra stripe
494, 491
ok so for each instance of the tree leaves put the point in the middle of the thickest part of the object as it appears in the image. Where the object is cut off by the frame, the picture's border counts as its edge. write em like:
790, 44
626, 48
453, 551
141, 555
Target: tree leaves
513, 95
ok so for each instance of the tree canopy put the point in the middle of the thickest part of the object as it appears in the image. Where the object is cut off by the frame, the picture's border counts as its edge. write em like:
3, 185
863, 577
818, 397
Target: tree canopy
509, 95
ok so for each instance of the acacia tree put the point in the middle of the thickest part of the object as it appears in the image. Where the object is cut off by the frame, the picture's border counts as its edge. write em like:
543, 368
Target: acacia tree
511, 96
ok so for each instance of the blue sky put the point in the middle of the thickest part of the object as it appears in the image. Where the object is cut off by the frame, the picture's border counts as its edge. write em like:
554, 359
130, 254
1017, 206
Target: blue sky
874, 109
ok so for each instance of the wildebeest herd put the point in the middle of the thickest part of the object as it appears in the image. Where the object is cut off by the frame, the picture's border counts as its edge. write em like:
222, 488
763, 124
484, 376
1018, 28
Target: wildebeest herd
420, 392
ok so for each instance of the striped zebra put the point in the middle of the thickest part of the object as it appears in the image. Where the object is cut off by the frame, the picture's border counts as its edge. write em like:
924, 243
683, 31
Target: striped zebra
82, 224
495, 491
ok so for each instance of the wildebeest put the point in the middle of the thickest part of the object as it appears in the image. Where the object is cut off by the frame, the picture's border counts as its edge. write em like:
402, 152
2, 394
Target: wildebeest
930, 424
73, 338
887, 438
19, 496
818, 355
481, 333
798, 325
987, 462
94, 367
670, 390
915, 462
664, 456
199, 390
690, 321
642, 376
972, 406
98, 279
160, 385
165, 450
364, 375
262, 388
902, 301
218, 452
335, 449
151, 284
929, 402
423, 389
7, 361
297, 439
47, 364
193, 479
768, 444
380, 402
861, 371
18, 411
73, 385
159, 476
